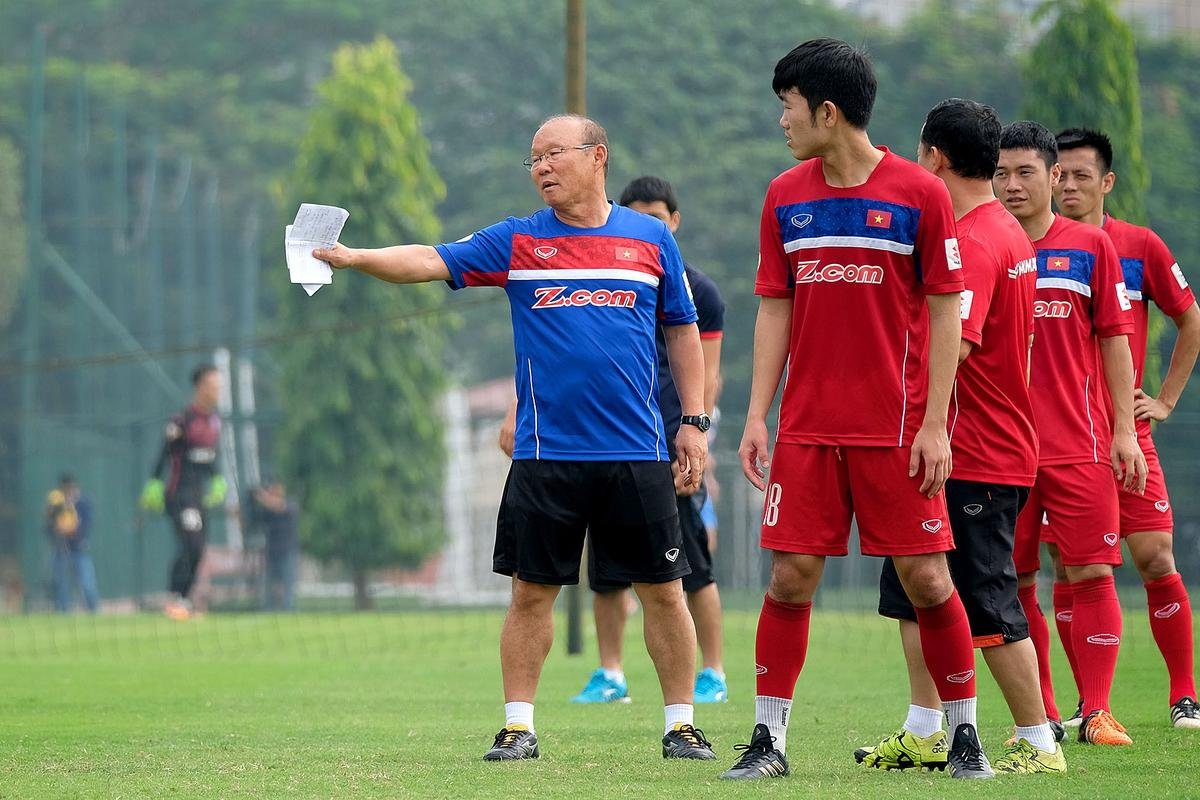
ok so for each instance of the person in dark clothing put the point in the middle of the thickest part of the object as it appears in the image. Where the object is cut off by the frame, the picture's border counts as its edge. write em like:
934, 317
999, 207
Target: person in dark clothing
68, 526
189, 454
279, 517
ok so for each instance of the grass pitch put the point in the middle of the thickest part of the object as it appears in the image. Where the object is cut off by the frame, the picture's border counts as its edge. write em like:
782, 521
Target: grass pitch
404, 704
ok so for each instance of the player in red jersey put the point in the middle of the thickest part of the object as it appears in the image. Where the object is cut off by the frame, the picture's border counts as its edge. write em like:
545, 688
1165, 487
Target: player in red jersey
860, 279
1082, 324
995, 448
1151, 274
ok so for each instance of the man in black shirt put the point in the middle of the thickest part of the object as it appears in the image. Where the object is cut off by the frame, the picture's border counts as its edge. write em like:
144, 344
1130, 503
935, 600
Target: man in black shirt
189, 454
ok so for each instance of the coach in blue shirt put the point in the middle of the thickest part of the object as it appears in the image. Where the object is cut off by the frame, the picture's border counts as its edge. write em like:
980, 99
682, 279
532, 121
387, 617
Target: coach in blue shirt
587, 281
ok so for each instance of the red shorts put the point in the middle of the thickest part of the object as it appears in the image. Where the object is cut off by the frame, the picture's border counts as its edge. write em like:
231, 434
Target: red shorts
1150, 511
1073, 506
813, 490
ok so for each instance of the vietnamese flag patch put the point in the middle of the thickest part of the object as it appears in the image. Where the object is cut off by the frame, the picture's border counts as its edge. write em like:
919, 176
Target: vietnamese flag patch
1058, 263
879, 219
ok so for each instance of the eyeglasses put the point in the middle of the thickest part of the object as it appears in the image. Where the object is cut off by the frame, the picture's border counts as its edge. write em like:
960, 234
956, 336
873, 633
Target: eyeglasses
552, 155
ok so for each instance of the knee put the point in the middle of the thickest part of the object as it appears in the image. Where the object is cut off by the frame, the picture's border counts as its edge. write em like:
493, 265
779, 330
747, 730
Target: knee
1089, 572
794, 578
926, 579
1157, 565
532, 598
661, 596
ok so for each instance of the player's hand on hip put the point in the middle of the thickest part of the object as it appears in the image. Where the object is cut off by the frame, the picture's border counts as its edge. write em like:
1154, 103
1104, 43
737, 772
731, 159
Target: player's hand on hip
691, 450
931, 446
1147, 407
339, 256
1129, 463
755, 457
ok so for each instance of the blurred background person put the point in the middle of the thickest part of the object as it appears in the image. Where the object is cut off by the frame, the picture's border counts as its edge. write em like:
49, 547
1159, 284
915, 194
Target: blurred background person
68, 525
278, 516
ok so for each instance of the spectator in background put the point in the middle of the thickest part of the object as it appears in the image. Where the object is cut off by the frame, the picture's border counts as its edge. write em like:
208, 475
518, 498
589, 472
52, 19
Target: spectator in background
279, 517
68, 524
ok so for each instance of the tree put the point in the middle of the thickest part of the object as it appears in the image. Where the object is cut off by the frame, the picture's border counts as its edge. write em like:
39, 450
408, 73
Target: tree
362, 437
1083, 72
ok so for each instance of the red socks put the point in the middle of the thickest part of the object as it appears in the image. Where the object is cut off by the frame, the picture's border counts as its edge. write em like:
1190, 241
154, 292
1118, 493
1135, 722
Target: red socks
1171, 623
1039, 634
1064, 612
1096, 633
780, 646
949, 654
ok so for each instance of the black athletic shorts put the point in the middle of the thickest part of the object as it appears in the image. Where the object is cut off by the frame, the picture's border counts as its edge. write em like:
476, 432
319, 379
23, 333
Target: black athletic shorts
628, 506
695, 547
983, 518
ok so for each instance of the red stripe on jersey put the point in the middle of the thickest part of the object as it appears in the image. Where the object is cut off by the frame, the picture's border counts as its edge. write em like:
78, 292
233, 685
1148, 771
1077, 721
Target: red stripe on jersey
477, 278
584, 252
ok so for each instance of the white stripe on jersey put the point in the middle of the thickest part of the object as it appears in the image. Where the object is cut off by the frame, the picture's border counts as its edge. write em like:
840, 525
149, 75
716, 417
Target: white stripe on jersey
865, 242
582, 275
1065, 283
537, 450
904, 390
1087, 405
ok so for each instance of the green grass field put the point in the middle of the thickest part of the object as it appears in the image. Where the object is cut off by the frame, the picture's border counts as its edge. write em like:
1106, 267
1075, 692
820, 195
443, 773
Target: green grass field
404, 704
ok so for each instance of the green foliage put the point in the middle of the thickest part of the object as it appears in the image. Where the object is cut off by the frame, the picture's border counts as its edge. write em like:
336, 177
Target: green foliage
362, 436
12, 267
1083, 72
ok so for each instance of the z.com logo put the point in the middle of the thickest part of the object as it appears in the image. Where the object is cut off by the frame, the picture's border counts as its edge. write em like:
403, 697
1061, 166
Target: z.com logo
813, 272
554, 297
1051, 309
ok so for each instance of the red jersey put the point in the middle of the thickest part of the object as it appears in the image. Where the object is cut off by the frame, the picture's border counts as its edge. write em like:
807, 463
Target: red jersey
991, 423
1080, 298
1151, 273
857, 263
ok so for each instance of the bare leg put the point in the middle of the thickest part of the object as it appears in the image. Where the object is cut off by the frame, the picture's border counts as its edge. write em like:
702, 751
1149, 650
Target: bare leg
1015, 668
670, 638
610, 611
705, 605
526, 638
921, 687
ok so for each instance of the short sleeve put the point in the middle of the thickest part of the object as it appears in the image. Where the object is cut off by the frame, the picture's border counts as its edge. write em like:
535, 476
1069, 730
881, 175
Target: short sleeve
775, 278
1164, 279
937, 243
710, 308
480, 259
979, 273
675, 305
1112, 312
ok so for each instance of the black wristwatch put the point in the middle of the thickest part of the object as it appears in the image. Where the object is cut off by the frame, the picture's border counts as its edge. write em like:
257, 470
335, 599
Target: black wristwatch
701, 421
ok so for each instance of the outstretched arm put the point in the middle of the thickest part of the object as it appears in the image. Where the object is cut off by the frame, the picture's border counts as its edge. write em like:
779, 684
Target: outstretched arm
404, 263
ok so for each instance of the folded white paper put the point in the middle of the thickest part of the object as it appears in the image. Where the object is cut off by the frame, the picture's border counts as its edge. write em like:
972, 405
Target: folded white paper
315, 227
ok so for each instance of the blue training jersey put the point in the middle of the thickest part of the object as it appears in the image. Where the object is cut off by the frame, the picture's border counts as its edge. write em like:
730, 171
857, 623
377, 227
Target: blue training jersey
585, 303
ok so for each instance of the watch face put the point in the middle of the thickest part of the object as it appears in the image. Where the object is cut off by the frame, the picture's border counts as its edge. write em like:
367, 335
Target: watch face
703, 423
